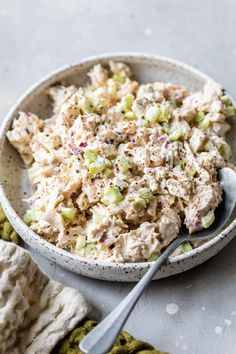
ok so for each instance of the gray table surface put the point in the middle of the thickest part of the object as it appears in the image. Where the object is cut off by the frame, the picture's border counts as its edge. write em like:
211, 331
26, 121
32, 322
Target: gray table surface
38, 36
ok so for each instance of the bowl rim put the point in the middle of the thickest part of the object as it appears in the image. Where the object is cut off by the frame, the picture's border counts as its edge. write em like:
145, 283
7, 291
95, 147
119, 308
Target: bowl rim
40, 241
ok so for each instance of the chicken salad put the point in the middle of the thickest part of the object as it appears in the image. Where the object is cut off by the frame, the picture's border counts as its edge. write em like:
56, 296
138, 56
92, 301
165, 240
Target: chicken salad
120, 166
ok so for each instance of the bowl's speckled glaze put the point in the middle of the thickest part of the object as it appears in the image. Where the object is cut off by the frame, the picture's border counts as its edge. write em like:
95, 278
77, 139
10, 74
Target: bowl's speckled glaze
14, 184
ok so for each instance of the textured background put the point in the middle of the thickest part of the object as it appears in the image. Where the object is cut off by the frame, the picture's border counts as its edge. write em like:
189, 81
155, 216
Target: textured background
38, 36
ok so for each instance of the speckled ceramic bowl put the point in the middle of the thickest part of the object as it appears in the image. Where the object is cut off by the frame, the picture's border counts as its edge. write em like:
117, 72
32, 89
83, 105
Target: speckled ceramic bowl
14, 184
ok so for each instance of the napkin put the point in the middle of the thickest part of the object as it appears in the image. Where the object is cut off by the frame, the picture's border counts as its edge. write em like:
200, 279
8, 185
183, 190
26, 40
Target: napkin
35, 312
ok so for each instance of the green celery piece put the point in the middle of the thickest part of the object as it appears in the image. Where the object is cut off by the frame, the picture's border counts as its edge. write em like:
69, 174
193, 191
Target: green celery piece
200, 116
30, 216
80, 242
146, 194
112, 195
165, 114
204, 124
166, 127
229, 111
226, 100
176, 136
130, 115
85, 105
98, 166
68, 213
141, 202
123, 164
90, 156
185, 247
226, 152
119, 78
208, 219
127, 102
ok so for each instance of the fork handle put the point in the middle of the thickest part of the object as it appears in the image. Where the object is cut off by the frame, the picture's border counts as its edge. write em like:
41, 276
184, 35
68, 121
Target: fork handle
102, 337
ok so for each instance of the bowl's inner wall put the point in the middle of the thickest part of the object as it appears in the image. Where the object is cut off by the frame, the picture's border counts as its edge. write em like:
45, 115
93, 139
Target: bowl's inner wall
13, 174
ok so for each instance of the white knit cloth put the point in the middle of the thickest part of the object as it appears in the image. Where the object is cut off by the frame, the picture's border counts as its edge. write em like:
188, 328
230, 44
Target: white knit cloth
35, 312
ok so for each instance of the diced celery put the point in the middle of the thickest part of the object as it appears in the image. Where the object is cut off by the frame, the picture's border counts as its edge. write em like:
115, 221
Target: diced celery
185, 247
202, 121
153, 114
127, 102
141, 202
199, 117
154, 256
226, 100
146, 194
98, 166
85, 105
204, 124
90, 156
176, 136
68, 213
80, 243
119, 78
130, 115
208, 219
30, 216
123, 164
229, 111
112, 195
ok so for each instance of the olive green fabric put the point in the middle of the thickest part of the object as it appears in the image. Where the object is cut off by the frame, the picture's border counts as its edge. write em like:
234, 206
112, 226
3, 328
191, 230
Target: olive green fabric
125, 344
7, 232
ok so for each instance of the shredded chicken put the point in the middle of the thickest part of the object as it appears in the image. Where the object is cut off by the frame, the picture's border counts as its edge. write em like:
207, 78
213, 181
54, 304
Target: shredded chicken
120, 166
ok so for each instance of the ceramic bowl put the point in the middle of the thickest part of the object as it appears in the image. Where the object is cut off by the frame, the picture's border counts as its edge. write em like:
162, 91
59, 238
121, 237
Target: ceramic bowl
14, 184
